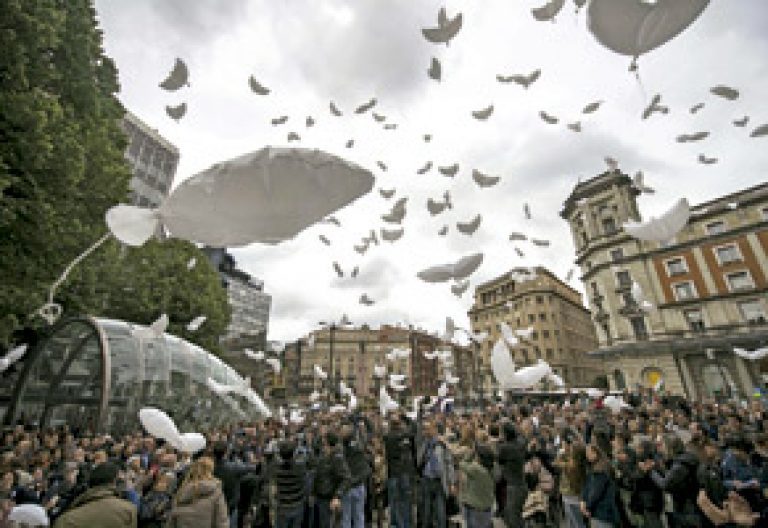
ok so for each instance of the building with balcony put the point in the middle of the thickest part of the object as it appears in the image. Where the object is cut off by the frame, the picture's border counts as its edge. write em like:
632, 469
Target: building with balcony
153, 160
534, 299
356, 350
705, 289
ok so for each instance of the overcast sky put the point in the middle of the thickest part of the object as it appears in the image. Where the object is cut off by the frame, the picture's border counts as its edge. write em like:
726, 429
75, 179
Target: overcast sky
309, 52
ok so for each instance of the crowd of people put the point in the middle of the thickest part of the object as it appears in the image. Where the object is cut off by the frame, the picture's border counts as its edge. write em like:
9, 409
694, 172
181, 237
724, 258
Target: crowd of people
660, 461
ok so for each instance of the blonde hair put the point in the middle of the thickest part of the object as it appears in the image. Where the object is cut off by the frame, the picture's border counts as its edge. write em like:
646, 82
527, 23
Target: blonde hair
200, 470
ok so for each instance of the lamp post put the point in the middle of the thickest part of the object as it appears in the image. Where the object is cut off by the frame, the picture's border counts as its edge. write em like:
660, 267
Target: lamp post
332, 327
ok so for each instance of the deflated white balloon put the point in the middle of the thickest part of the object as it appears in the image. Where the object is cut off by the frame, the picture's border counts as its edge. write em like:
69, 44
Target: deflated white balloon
158, 424
502, 365
31, 515
132, 225
379, 371
753, 355
275, 364
320, 373
192, 443
509, 335
663, 228
614, 403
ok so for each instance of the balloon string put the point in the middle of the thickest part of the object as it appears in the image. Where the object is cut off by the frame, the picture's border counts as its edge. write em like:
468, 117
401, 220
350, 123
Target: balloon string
51, 311
633, 67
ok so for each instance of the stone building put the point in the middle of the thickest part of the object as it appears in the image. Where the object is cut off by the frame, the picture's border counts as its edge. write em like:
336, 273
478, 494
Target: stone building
356, 350
705, 289
534, 299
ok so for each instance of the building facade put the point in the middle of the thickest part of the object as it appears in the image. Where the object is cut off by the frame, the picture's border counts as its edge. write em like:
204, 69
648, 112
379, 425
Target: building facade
153, 160
534, 299
356, 350
703, 293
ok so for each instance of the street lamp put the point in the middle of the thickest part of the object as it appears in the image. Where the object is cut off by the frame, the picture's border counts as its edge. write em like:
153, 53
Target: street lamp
332, 327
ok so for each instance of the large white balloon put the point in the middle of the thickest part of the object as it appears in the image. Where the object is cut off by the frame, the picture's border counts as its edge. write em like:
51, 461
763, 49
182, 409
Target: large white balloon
634, 27
266, 196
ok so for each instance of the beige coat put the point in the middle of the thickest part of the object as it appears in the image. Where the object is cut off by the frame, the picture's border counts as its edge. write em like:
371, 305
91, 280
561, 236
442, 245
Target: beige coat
99, 506
199, 505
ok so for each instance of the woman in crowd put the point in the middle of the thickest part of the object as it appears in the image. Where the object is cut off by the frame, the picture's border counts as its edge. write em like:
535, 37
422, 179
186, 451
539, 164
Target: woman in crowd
200, 500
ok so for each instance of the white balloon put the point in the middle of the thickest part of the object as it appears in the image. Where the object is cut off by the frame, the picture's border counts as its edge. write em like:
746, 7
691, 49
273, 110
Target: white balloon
30, 515
158, 424
132, 225
663, 228
634, 27
192, 443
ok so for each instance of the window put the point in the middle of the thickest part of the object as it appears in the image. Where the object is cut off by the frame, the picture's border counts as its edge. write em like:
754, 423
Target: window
550, 354
545, 334
684, 290
765, 213
638, 327
676, 266
609, 226
728, 254
531, 318
623, 279
616, 254
739, 280
539, 299
542, 317
534, 335
752, 311
715, 228
695, 320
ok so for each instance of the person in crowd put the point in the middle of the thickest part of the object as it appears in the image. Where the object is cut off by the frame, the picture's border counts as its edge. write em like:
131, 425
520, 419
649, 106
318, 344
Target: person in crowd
288, 478
399, 445
353, 500
436, 471
331, 480
512, 453
155, 506
477, 488
647, 500
679, 480
599, 496
200, 500
572, 463
100, 505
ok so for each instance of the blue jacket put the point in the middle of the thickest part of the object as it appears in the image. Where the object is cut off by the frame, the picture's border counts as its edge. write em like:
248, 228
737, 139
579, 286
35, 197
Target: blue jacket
599, 494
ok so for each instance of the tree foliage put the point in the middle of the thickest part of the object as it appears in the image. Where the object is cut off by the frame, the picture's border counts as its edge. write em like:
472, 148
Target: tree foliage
62, 167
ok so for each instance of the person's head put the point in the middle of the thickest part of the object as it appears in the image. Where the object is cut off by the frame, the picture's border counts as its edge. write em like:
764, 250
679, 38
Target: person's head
201, 469
596, 456
161, 482
286, 451
671, 446
485, 456
510, 431
220, 449
104, 474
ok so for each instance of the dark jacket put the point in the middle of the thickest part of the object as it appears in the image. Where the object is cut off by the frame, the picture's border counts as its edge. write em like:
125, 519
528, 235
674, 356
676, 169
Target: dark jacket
680, 482
599, 494
290, 481
400, 448
229, 474
154, 509
711, 481
332, 478
512, 459
357, 461
646, 495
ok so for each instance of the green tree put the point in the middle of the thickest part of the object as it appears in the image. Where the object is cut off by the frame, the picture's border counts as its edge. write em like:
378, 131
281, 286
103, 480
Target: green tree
62, 167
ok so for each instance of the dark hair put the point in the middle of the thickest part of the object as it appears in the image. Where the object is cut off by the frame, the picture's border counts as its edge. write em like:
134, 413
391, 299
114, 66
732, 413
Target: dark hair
103, 474
510, 431
486, 456
332, 439
220, 449
493, 430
